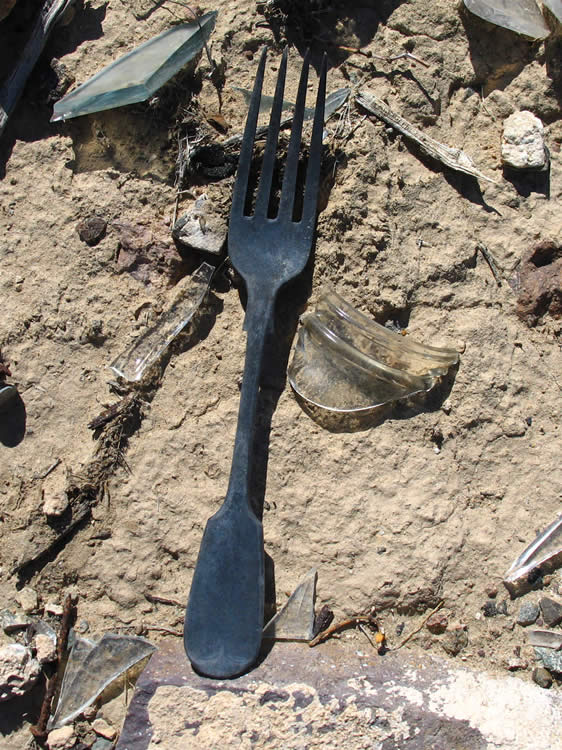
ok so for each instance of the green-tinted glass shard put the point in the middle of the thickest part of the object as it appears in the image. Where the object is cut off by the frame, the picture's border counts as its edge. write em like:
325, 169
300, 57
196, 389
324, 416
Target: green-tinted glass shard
139, 73
521, 16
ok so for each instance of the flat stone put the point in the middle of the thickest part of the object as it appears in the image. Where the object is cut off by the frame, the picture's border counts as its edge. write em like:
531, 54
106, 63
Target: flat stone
405, 699
62, 739
528, 614
523, 145
437, 623
92, 230
200, 228
551, 611
55, 505
13, 621
542, 677
27, 599
45, 649
104, 729
539, 280
18, 671
52, 608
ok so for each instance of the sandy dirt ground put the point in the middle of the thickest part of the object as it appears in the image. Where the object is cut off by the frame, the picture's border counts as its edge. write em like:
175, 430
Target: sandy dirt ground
427, 504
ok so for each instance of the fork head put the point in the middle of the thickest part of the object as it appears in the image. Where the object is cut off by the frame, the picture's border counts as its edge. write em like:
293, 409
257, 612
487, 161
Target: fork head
277, 249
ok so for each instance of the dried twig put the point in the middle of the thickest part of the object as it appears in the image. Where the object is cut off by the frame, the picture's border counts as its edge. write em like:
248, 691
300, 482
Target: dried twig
47, 471
454, 158
161, 629
162, 600
342, 625
491, 261
420, 626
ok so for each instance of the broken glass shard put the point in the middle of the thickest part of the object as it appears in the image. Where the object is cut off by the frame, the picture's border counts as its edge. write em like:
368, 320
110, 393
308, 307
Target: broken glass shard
333, 102
143, 352
295, 621
546, 639
345, 362
521, 16
91, 668
138, 74
546, 549
555, 7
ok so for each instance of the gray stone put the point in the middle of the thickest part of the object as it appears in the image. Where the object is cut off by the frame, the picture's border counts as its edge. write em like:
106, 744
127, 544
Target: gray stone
455, 640
542, 677
102, 744
528, 614
352, 701
551, 611
18, 671
523, 144
13, 621
200, 228
550, 658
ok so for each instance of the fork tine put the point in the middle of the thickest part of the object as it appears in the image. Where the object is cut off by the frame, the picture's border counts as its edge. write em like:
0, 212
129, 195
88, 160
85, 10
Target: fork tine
291, 166
315, 153
266, 177
245, 160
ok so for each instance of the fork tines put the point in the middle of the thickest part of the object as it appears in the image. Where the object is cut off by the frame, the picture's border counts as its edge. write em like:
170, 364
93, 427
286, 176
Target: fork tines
288, 191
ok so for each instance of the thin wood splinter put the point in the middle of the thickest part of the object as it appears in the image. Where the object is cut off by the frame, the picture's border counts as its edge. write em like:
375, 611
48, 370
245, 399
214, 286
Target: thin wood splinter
342, 625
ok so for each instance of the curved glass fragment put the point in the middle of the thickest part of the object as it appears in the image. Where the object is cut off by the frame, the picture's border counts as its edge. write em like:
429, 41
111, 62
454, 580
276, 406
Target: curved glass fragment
138, 74
345, 362
546, 548
521, 16
146, 349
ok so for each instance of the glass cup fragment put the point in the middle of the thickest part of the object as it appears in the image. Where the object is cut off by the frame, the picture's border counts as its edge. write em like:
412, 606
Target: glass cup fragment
544, 549
295, 620
345, 362
145, 350
91, 668
138, 74
521, 16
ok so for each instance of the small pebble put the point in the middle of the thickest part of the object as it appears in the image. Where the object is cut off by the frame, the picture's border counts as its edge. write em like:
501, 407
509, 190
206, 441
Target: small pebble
492, 591
61, 739
523, 145
92, 230
10, 622
542, 677
45, 649
551, 611
83, 627
515, 663
51, 608
437, 623
455, 640
55, 505
27, 599
490, 609
528, 614
104, 729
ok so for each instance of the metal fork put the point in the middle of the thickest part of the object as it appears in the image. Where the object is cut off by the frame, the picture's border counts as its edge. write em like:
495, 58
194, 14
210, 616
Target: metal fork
224, 617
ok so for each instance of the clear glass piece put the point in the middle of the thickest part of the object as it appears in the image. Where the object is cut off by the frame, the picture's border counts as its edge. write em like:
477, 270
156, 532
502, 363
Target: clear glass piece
546, 547
333, 102
546, 639
91, 668
190, 292
138, 74
555, 6
345, 362
521, 16
295, 621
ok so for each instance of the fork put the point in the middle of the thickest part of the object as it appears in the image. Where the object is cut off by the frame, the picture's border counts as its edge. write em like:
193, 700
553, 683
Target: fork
224, 616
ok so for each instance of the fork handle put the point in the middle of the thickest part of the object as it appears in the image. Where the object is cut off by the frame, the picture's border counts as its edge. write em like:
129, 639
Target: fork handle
259, 313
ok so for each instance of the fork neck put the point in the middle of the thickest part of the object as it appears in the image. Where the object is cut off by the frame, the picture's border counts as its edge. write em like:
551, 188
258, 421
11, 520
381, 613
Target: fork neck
258, 322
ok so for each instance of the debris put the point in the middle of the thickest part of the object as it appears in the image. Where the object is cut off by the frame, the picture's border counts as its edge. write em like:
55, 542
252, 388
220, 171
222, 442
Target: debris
523, 145
11, 622
295, 620
51, 608
92, 230
27, 599
102, 744
323, 619
542, 677
55, 505
101, 727
144, 254
349, 622
491, 261
539, 282
528, 614
345, 362
61, 739
546, 550
521, 16
19, 671
201, 229
546, 639
51, 11
189, 293
111, 413
416, 630
437, 623
515, 663
551, 611
455, 640
551, 659
91, 668
454, 158
138, 74
45, 649
163, 600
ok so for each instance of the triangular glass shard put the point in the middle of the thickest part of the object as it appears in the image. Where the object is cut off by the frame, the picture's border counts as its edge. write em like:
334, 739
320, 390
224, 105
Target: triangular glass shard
91, 668
521, 16
545, 549
145, 350
138, 74
295, 621
555, 7
345, 362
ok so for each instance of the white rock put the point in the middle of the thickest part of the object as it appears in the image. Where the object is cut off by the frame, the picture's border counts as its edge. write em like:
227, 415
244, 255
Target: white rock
523, 144
52, 608
61, 739
18, 671
45, 649
55, 505
101, 727
27, 599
